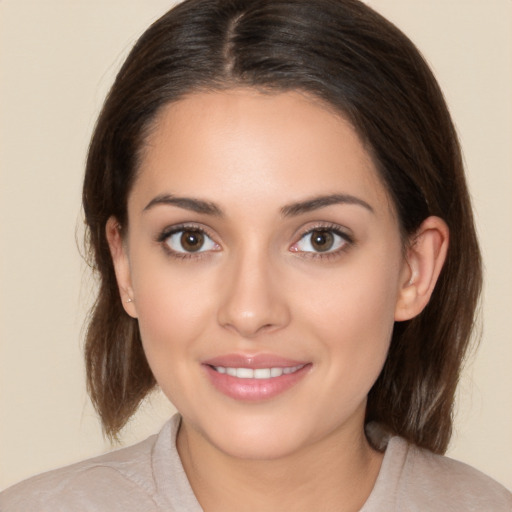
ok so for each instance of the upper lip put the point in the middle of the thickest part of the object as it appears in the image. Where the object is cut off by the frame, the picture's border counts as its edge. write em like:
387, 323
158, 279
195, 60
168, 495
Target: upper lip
254, 361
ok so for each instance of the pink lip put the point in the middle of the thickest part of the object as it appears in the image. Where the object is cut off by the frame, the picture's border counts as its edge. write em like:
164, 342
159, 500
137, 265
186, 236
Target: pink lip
252, 361
253, 389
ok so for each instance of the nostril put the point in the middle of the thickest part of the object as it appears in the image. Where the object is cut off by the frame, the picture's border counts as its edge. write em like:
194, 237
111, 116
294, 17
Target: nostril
250, 304
250, 327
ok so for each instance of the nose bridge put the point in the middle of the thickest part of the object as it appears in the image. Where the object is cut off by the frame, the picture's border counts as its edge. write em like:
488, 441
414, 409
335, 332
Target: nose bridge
252, 301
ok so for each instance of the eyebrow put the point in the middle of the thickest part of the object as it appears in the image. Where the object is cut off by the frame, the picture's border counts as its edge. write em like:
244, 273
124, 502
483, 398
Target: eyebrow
188, 203
291, 210
321, 202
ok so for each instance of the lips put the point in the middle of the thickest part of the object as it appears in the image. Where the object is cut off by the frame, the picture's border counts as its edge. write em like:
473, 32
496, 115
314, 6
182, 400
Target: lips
254, 377
258, 373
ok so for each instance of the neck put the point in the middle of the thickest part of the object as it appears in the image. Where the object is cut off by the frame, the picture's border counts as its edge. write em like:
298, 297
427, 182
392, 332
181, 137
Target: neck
334, 474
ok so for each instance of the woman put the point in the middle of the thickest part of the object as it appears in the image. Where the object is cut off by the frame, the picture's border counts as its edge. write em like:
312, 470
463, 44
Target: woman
278, 214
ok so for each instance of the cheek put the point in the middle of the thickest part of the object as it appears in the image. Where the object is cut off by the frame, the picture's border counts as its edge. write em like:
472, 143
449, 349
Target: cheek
173, 313
355, 301
173, 308
355, 328
353, 315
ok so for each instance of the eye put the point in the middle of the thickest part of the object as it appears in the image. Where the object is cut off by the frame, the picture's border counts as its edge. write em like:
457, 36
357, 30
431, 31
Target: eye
321, 240
190, 241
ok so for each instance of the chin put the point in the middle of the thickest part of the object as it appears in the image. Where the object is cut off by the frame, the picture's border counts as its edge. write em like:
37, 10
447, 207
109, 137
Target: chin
260, 435
260, 443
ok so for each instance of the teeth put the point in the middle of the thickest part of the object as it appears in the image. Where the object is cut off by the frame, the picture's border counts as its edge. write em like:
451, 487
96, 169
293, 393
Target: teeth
244, 373
262, 373
276, 372
258, 373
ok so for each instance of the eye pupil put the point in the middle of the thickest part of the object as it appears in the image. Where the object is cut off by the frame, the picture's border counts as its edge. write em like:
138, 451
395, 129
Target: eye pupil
192, 241
322, 240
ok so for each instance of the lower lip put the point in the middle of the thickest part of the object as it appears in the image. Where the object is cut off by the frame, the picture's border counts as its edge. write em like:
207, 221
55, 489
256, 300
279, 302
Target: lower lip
253, 390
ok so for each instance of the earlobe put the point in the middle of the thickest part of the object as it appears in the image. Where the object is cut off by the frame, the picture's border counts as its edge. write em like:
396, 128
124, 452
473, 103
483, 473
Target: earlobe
121, 265
424, 261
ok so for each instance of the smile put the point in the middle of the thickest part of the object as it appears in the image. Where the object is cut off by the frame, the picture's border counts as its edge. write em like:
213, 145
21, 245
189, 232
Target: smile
254, 378
258, 373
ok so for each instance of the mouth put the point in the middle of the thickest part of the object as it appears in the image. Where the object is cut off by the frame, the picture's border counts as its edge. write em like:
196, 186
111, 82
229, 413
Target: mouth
258, 373
253, 379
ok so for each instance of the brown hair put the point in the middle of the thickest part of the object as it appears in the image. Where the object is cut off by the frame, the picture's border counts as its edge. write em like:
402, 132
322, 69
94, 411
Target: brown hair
349, 56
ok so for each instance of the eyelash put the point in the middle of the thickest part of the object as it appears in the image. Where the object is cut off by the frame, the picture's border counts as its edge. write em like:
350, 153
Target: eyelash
327, 255
168, 232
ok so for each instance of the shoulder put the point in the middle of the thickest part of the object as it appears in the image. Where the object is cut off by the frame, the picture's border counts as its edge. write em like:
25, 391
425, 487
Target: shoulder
435, 482
115, 481
412, 479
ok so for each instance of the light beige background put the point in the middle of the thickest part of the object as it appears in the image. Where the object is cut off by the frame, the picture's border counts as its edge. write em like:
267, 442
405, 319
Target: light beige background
58, 58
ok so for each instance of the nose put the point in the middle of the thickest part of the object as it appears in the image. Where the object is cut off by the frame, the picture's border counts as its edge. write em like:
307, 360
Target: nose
253, 300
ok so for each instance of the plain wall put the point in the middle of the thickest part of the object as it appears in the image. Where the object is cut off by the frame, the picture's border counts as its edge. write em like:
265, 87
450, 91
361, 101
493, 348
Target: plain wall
58, 58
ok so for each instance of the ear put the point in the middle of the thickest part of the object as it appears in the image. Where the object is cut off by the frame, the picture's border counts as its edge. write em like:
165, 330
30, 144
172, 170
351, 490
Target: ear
424, 260
121, 265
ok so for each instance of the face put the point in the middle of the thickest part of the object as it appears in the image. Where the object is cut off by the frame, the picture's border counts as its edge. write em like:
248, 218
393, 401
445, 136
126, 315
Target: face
264, 260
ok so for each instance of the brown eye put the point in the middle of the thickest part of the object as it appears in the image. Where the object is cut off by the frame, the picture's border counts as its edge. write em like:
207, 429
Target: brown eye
192, 241
321, 240
189, 241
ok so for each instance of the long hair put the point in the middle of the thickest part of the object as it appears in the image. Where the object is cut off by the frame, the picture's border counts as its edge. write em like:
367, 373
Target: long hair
346, 54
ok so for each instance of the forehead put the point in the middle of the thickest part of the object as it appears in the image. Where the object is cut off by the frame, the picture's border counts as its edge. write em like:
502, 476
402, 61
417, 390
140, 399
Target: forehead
255, 144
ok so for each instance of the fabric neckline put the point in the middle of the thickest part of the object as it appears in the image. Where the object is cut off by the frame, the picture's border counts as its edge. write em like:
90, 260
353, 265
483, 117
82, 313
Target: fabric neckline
166, 464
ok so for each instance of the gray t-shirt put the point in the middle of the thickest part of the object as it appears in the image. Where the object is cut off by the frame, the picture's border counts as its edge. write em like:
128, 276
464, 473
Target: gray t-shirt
149, 477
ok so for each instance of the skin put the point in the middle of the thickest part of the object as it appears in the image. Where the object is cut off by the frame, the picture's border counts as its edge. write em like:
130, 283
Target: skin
258, 286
